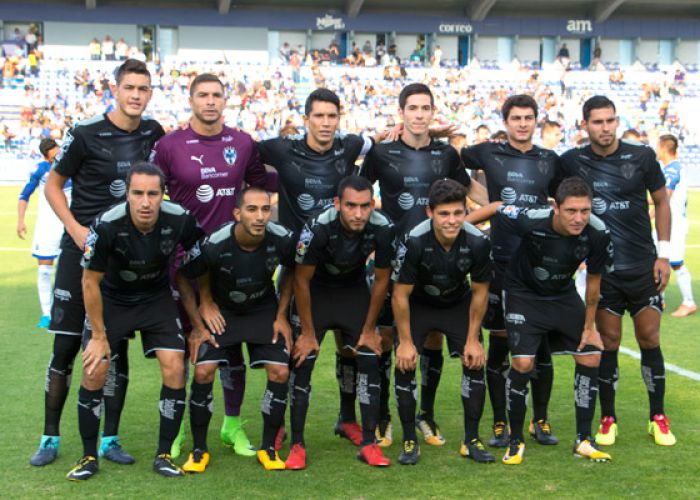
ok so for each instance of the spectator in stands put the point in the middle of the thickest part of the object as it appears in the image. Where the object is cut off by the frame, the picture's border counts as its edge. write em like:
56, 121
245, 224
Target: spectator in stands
596, 63
8, 71
367, 47
380, 52
95, 49
437, 57
295, 63
564, 57
285, 52
33, 63
17, 35
334, 52
121, 49
108, 48
30, 38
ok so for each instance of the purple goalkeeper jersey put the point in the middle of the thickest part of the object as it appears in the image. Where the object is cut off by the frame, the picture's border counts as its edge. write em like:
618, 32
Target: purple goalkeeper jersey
206, 173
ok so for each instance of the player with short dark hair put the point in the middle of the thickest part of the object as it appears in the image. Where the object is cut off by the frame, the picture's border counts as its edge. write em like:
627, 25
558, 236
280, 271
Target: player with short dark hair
96, 156
432, 292
47, 229
405, 169
541, 301
126, 288
522, 174
309, 168
330, 292
206, 165
234, 268
621, 174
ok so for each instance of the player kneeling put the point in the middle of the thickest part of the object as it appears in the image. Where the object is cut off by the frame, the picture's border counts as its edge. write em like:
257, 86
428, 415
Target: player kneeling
541, 300
432, 292
126, 288
235, 266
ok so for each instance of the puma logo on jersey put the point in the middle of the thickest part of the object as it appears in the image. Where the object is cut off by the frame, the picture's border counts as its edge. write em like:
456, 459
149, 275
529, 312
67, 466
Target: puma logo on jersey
199, 159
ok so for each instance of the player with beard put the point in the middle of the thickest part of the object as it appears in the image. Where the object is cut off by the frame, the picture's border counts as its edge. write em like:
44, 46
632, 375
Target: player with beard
521, 174
405, 170
206, 165
621, 174
96, 156
238, 304
330, 292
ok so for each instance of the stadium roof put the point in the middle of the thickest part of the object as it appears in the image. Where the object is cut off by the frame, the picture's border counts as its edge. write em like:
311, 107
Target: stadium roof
475, 10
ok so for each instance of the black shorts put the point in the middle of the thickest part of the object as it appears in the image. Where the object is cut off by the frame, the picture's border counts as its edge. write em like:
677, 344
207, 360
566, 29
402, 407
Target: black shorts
259, 354
253, 328
68, 310
493, 319
623, 291
157, 320
452, 321
344, 309
530, 321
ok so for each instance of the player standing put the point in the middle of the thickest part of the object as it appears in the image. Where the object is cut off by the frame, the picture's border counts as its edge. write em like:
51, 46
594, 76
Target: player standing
309, 169
677, 188
330, 291
238, 303
206, 165
48, 228
405, 170
96, 156
126, 288
620, 175
522, 174
541, 301
432, 292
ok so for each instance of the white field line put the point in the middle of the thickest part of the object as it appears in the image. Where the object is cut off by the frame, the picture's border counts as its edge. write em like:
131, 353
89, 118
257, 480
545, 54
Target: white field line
670, 367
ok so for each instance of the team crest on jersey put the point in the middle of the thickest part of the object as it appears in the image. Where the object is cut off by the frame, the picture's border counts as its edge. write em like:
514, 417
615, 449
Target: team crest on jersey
463, 264
543, 166
436, 166
628, 170
271, 263
368, 246
230, 155
580, 252
340, 165
167, 246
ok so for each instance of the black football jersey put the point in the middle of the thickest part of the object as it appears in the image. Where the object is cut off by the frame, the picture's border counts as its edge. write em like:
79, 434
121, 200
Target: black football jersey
620, 183
135, 265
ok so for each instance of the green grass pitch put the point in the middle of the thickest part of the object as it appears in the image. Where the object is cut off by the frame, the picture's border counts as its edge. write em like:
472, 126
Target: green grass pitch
639, 468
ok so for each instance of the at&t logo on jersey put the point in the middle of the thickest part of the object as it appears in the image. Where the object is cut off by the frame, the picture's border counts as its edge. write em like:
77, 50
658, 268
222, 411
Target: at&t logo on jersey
117, 188
599, 206
306, 201
508, 195
230, 155
205, 193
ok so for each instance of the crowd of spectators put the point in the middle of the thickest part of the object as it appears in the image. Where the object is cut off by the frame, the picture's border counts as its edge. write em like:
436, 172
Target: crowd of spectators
265, 100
